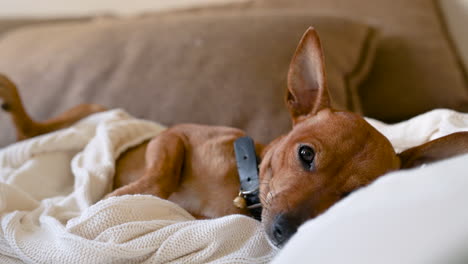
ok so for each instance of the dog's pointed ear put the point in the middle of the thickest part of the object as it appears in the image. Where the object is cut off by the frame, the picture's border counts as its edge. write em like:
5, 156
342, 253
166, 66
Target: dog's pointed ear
307, 86
438, 149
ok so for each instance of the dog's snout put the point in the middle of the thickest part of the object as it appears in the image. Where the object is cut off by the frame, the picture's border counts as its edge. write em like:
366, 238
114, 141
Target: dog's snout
282, 229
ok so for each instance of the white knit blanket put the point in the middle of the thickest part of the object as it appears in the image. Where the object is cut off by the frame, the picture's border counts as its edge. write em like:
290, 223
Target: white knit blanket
49, 187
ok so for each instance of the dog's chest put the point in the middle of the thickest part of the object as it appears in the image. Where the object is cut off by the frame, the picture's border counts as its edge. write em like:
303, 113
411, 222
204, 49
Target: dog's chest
208, 195
209, 180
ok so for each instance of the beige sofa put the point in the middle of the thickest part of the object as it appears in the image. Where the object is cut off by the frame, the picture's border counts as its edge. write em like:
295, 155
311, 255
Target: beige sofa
226, 65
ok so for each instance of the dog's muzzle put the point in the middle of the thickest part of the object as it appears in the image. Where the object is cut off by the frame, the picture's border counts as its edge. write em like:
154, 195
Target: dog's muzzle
282, 229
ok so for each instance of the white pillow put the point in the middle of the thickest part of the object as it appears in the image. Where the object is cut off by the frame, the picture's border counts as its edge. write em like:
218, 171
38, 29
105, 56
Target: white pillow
414, 216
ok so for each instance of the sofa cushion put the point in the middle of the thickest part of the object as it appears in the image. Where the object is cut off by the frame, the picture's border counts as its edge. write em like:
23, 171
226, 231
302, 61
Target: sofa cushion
10, 24
224, 69
415, 67
455, 15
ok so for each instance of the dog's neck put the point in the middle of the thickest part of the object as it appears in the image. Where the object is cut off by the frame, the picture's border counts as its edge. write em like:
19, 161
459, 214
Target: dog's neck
248, 170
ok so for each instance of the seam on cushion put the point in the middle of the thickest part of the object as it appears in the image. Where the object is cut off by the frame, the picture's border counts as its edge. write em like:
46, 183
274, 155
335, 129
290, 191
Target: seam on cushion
451, 42
361, 71
24, 22
208, 7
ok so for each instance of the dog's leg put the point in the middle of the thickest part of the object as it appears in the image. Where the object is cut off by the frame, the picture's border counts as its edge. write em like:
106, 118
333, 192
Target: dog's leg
25, 126
164, 161
438, 149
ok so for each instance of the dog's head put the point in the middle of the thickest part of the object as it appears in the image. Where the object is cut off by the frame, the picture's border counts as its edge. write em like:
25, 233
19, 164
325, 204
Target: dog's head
326, 155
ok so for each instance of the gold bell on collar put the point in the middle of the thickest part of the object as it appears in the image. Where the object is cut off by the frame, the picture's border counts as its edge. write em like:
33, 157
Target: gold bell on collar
240, 201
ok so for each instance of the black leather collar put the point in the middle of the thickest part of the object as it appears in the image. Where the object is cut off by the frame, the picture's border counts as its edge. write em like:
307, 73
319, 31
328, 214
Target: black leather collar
247, 167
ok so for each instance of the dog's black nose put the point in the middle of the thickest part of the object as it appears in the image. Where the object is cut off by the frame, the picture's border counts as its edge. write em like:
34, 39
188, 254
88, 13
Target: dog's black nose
282, 229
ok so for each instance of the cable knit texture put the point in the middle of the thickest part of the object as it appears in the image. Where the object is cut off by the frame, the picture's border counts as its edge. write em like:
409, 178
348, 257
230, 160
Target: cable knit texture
50, 208
51, 186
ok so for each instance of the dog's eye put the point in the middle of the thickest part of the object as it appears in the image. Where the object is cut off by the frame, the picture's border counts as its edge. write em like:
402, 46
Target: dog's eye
307, 156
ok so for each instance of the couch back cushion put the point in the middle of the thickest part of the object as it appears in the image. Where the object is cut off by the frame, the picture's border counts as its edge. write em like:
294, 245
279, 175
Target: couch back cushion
220, 69
415, 68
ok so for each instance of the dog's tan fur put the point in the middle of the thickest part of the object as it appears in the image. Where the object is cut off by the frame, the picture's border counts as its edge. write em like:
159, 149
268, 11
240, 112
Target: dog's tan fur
194, 165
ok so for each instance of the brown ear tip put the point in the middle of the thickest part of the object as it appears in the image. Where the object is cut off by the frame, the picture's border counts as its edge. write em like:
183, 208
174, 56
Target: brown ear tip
311, 32
311, 37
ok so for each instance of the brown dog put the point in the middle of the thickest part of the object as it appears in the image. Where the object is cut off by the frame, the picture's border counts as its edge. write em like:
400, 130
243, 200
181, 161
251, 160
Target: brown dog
325, 156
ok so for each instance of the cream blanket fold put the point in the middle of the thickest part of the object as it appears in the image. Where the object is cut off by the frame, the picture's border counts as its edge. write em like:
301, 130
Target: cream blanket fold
50, 208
